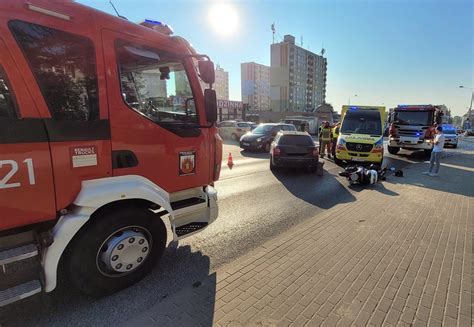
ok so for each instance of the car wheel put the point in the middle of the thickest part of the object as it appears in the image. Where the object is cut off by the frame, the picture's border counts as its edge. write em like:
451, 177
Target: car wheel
267, 147
115, 250
272, 166
393, 149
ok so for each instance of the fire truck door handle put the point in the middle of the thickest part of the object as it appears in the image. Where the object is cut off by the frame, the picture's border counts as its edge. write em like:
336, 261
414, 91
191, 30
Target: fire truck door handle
124, 159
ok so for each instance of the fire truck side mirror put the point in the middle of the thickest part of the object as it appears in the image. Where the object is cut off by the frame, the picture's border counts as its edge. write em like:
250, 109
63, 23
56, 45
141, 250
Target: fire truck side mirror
206, 71
210, 102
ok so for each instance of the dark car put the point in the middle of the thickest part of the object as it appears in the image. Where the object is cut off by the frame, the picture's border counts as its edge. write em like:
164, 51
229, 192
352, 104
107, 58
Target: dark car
262, 136
294, 150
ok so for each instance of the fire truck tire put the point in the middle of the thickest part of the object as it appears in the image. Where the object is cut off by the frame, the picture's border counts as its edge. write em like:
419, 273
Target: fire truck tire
427, 152
393, 149
115, 251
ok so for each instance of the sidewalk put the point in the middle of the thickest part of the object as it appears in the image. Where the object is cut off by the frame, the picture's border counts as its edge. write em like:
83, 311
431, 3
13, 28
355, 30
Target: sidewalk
399, 255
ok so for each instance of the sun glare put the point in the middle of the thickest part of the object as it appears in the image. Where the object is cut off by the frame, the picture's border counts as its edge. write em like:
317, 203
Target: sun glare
224, 19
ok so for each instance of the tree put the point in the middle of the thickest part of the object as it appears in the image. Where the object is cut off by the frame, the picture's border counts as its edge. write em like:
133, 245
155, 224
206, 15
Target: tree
457, 121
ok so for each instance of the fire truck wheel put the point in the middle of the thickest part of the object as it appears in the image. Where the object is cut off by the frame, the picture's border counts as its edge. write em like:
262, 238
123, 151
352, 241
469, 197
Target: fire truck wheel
115, 251
393, 149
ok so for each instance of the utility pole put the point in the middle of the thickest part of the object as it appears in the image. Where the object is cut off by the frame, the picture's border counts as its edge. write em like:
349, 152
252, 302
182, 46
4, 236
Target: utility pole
273, 32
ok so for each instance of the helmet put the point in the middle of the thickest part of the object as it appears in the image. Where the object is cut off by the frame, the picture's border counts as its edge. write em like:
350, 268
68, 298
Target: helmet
399, 173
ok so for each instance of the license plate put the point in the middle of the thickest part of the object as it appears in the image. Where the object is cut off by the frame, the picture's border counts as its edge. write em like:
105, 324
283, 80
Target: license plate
410, 140
357, 159
245, 143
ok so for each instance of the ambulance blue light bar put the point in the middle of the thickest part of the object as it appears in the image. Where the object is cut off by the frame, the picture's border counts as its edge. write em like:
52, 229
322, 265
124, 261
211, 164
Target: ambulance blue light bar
158, 26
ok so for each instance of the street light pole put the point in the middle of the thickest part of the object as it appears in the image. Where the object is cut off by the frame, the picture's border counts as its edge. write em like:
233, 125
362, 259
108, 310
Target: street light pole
472, 99
349, 100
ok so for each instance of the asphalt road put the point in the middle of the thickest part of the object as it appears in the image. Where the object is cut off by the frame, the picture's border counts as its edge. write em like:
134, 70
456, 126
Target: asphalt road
254, 206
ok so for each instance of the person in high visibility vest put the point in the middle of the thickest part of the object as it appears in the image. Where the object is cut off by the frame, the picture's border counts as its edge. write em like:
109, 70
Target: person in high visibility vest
325, 137
335, 134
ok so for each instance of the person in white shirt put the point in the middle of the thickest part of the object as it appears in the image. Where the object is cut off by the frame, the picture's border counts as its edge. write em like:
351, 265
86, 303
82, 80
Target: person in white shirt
438, 145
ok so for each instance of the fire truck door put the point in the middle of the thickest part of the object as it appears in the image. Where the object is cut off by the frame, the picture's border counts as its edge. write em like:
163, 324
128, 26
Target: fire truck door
66, 78
26, 178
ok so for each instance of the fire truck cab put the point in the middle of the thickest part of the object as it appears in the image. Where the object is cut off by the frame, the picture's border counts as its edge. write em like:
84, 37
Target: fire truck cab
104, 132
412, 127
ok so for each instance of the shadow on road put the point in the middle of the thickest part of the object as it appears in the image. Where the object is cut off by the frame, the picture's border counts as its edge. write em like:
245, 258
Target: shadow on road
379, 187
179, 268
413, 155
321, 191
255, 154
455, 175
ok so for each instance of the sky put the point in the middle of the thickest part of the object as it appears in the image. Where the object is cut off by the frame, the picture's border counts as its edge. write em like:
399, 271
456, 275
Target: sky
387, 52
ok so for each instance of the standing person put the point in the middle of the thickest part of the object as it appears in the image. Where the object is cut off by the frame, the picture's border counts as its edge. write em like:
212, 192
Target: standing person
335, 134
438, 146
325, 137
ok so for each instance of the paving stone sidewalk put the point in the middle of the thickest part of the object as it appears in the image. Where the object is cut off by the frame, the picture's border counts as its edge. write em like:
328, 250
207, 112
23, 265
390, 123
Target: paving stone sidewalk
401, 254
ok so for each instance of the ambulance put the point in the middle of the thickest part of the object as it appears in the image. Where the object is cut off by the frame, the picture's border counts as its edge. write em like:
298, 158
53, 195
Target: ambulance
361, 134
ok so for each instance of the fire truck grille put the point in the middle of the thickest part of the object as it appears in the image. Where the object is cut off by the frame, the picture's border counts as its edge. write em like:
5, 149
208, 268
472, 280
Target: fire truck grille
359, 147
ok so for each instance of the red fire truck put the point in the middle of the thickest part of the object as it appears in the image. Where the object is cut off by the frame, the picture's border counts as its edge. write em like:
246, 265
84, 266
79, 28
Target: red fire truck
104, 132
412, 127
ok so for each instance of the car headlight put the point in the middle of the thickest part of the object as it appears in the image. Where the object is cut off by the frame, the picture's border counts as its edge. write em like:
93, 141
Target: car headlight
260, 139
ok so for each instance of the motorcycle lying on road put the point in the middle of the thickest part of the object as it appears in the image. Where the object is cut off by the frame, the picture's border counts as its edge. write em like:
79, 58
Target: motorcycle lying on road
364, 176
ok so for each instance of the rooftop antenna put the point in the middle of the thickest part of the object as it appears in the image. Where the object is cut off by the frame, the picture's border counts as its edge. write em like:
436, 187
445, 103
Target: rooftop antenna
323, 51
118, 15
273, 32
301, 40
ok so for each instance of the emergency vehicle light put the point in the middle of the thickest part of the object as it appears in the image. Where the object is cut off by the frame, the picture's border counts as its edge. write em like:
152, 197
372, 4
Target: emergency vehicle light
158, 26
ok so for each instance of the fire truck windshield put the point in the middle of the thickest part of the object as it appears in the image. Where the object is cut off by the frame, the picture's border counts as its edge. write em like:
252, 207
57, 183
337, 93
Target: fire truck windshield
419, 118
155, 84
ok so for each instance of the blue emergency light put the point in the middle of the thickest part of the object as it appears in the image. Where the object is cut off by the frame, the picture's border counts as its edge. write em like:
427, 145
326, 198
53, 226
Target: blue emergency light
158, 26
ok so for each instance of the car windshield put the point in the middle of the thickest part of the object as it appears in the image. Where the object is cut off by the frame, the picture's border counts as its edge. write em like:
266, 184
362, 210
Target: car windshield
298, 140
366, 122
449, 130
419, 118
244, 125
263, 129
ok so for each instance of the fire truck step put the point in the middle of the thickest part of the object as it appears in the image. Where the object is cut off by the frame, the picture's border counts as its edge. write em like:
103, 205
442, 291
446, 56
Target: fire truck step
189, 228
18, 254
19, 292
186, 203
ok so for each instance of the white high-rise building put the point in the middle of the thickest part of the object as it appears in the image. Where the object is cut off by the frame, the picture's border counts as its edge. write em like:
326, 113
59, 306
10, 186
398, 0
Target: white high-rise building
298, 77
221, 84
255, 85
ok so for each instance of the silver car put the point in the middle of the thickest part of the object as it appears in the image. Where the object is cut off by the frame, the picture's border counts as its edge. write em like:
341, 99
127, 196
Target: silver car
232, 129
